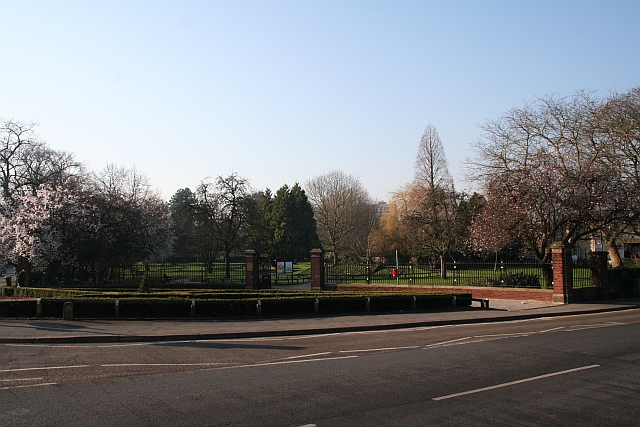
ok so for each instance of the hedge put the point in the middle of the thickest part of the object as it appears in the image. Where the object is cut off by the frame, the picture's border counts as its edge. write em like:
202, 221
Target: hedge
283, 306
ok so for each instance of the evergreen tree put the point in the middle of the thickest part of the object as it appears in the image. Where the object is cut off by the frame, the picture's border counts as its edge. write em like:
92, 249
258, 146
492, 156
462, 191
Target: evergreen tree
290, 223
183, 221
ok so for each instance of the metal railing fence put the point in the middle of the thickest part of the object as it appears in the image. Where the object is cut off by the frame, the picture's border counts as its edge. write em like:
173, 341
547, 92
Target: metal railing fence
502, 274
156, 273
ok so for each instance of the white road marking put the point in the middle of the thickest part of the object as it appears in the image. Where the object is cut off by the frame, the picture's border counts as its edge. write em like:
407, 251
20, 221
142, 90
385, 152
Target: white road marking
44, 368
507, 335
25, 386
286, 362
551, 330
22, 379
245, 339
307, 355
138, 344
493, 387
445, 343
583, 327
302, 337
120, 365
380, 349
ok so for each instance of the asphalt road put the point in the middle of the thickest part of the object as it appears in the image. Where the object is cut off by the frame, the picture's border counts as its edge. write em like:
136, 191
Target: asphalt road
574, 370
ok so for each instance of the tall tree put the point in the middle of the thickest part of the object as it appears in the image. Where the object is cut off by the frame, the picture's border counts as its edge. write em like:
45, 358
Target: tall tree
183, 220
227, 205
340, 202
431, 169
619, 125
291, 224
551, 172
429, 209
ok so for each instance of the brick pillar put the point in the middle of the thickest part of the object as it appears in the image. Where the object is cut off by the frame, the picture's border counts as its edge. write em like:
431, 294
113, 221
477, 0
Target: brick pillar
252, 274
317, 269
599, 272
562, 272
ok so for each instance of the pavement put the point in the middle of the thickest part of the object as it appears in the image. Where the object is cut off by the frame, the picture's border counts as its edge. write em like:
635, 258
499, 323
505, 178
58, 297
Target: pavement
49, 331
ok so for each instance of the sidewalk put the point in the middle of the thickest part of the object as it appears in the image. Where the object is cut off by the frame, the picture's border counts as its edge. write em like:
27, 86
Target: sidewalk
31, 331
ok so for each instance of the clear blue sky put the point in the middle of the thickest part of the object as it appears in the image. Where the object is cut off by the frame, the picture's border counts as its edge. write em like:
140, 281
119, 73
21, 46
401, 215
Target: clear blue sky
281, 91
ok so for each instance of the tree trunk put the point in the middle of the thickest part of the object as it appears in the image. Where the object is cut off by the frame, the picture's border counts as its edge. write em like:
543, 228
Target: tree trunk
443, 268
227, 262
612, 248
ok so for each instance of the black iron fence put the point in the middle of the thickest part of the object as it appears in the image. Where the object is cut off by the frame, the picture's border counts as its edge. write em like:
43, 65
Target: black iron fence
502, 274
522, 274
155, 273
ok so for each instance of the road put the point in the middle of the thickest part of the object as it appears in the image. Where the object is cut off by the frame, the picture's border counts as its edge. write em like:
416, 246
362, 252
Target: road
573, 370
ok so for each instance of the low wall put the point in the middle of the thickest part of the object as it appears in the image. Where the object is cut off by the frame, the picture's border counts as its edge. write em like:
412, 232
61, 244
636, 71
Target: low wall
520, 294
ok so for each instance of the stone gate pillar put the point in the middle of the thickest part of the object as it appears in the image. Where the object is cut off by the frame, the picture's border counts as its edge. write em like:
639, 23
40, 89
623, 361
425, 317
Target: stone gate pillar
317, 269
252, 274
599, 272
562, 272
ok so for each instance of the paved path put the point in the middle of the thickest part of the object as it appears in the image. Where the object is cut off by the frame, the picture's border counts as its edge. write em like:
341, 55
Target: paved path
78, 331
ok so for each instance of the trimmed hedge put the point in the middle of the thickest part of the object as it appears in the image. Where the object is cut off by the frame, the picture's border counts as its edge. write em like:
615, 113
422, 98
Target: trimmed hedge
516, 280
282, 306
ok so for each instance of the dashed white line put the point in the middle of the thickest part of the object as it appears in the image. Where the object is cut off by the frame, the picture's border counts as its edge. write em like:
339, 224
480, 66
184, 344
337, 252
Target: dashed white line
551, 330
44, 368
307, 355
525, 380
380, 349
583, 327
446, 343
121, 365
287, 362
25, 386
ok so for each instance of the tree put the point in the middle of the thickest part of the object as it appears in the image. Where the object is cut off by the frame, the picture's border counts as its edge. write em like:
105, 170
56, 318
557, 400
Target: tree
289, 223
431, 169
620, 126
30, 225
127, 222
54, 214
226, 207
340, 203
551, 173
430, 211
487, 232
26, 162
387, 238
432, 220
184, 226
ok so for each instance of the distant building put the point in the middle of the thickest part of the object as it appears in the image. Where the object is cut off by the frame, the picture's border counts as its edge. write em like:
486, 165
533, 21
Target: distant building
381, 208
628, 245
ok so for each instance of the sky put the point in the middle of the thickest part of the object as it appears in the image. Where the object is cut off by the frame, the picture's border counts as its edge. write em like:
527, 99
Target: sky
282, 91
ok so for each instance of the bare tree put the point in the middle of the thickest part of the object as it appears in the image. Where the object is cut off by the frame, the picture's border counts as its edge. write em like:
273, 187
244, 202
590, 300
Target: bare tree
27, 162
133, 222
16, 140
341, 206
431, 221
429, 211
226, 206
551, 171
619, 125
431, 166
